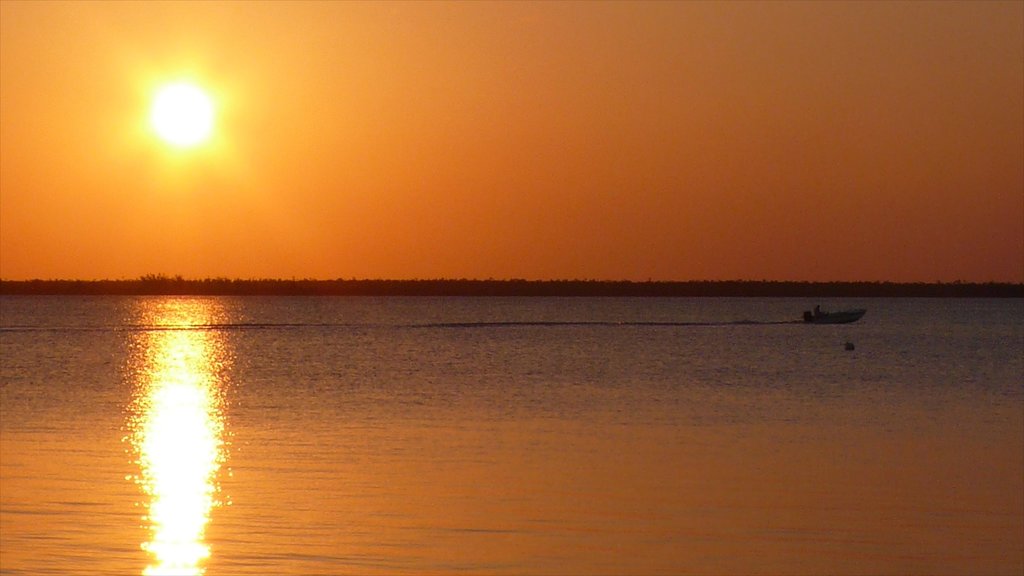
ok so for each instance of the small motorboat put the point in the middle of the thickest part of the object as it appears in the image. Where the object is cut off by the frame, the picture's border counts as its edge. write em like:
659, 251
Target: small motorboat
840, 317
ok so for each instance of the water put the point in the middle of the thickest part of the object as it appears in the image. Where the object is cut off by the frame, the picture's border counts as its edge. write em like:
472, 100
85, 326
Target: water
509, 436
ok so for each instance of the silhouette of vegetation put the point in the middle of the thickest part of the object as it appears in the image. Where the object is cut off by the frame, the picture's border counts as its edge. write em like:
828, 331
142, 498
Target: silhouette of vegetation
159, 284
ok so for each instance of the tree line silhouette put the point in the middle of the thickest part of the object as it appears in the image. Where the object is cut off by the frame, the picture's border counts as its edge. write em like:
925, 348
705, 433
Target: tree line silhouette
159, 284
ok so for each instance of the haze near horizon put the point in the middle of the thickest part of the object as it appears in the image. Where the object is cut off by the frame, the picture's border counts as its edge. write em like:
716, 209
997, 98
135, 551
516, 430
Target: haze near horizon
878, 141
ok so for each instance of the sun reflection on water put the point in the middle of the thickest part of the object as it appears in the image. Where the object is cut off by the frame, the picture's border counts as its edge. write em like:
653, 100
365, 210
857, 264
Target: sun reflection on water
177, 429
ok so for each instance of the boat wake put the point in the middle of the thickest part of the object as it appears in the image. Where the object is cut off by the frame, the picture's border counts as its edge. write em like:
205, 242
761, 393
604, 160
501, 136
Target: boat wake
429, 325
596, 324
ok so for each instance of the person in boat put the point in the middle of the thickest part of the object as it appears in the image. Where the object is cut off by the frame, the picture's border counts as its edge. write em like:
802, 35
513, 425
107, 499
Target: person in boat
812, 316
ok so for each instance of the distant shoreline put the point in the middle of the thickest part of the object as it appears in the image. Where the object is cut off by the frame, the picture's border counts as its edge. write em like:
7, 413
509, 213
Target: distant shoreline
176, 286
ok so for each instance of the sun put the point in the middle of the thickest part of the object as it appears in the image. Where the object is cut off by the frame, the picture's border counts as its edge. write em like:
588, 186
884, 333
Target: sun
182, 114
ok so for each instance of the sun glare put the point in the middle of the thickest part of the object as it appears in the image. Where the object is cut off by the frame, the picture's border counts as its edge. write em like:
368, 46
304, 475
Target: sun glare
182, 115
178, 433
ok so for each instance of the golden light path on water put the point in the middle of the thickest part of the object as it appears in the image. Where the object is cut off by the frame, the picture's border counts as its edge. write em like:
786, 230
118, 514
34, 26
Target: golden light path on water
177, 429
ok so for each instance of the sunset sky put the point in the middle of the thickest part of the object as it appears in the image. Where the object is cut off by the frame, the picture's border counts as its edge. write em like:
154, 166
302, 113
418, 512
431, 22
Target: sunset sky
669, 141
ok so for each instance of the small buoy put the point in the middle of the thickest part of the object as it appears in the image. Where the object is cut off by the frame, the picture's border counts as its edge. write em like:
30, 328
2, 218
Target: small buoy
849, 346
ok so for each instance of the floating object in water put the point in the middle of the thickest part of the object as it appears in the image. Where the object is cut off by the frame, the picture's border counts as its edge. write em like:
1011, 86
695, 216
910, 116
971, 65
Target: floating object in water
841, 317
849, 346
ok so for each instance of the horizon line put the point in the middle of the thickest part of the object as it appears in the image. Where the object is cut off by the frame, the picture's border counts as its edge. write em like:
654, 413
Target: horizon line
151, 278
159, 285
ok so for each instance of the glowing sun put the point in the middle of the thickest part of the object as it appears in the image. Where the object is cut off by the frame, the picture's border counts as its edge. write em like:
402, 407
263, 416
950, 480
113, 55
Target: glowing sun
182, 114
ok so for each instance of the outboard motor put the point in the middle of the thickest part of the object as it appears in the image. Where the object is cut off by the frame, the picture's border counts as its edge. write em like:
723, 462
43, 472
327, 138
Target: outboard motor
808, 317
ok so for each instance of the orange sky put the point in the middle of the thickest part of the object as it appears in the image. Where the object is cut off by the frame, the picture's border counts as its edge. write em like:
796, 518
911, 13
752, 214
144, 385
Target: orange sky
672, 141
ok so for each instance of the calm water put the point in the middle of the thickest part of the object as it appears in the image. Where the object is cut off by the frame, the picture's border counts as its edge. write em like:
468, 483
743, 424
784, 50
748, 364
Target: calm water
281, 435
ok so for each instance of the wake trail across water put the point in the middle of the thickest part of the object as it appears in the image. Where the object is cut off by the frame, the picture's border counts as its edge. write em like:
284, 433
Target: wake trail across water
597, 323
429, 325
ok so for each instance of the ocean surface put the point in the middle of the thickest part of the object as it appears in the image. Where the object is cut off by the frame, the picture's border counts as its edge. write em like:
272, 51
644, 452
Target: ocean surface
555, 436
